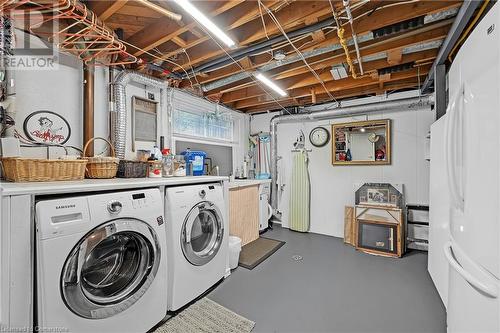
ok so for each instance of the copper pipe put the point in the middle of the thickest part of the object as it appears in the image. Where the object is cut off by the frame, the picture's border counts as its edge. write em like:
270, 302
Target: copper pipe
92, 42
88, 107
161, 10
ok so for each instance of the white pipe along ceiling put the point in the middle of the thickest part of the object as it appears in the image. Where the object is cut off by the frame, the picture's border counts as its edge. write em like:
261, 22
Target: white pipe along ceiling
405, 104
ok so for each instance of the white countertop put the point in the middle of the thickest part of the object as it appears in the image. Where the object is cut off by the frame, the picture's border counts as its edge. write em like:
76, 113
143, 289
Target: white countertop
90, 185
247, 182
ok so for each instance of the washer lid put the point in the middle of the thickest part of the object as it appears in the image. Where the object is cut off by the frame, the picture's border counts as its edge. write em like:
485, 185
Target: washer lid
202, 233
110, 268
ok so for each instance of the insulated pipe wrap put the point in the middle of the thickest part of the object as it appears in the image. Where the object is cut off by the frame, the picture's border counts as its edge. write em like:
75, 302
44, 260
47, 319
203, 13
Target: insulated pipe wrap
406, 104
119, 121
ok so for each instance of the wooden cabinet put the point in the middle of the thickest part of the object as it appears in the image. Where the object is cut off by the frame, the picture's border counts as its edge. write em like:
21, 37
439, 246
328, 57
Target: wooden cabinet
244, 213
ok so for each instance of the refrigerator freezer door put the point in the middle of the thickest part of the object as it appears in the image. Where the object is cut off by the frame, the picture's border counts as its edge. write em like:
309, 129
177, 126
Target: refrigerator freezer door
439, 212
474, 255
475, 136
473, 301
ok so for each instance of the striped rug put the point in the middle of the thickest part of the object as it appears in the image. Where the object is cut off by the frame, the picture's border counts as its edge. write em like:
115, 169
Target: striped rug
206, 316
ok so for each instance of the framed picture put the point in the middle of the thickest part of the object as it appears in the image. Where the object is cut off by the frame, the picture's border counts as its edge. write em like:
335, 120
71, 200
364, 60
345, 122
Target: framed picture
47, 127
377, 196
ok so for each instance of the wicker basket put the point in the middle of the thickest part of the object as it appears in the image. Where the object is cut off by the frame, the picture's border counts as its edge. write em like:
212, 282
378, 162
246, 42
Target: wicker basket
132, 169
40, 170
101, 166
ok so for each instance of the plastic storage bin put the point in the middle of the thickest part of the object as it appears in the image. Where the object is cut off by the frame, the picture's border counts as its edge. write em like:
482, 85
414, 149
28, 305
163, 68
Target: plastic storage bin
195, 161
234, 251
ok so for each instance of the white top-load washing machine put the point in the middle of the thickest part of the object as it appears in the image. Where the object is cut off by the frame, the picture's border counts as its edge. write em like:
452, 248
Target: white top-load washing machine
197, 231
101, 262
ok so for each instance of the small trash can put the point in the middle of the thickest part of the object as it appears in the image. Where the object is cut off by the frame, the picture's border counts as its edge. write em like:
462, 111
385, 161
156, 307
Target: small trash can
234, 251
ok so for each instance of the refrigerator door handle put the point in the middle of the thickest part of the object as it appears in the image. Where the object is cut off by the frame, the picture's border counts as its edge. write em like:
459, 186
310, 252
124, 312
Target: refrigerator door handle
454, 109
489, 289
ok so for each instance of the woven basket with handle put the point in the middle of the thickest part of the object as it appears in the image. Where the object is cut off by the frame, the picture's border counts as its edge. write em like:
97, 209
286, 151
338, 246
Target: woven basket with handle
101, 166
41, 170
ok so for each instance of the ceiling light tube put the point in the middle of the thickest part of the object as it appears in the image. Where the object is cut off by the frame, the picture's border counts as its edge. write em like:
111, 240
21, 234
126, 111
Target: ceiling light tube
205, 21
161, 10
271, 84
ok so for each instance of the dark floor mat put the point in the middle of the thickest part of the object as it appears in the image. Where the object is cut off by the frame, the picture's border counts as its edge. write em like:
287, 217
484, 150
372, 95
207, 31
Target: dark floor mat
257, 251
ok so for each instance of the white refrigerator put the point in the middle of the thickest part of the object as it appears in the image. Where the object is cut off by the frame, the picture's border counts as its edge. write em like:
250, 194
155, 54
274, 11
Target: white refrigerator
439, 212
471, 156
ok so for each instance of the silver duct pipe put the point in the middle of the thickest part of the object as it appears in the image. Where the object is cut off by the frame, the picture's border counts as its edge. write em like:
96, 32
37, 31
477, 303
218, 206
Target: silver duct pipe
405, 104
356, 40
275, 64
119, 118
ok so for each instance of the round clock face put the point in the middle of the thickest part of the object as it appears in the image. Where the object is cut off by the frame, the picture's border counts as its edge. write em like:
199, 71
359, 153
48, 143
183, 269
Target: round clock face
319, 136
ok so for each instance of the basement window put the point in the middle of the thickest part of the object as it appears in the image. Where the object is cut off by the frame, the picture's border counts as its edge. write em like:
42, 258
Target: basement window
209, 125
196, 118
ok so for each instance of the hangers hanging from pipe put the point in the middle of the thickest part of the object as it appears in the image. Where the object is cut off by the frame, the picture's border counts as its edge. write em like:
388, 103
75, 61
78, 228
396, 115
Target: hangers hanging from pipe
300, 143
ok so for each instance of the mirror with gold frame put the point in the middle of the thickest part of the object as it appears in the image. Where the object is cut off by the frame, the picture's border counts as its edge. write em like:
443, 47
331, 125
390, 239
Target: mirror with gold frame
362, 143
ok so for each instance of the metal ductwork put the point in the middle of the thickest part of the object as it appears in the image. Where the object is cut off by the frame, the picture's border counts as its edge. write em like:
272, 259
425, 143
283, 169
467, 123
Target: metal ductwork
406, 104
119, 120
275, 64
258, 47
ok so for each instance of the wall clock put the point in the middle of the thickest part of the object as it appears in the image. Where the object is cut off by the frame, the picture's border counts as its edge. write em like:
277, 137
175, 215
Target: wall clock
319, 136
47, 127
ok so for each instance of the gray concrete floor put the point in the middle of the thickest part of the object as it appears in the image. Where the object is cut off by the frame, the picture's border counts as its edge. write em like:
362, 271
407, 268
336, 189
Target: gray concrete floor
333, 289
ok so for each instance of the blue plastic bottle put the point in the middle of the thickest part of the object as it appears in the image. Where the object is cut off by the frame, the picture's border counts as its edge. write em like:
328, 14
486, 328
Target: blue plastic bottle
196, 161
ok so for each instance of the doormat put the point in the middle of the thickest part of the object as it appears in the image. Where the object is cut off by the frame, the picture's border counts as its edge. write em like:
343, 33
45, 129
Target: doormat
253, 253
206, 316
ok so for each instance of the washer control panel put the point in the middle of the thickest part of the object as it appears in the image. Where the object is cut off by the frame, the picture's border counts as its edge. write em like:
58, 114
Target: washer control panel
115, 206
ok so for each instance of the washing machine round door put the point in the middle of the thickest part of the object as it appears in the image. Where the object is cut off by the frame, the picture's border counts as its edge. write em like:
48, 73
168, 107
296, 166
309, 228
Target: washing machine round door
110, 268
202, 233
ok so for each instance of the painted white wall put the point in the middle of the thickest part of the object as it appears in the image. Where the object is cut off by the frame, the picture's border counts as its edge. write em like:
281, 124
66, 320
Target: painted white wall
332, 186
61, 91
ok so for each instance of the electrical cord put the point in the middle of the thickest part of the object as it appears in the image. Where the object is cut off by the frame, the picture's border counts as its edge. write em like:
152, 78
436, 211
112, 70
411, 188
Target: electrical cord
244, 70
320, 80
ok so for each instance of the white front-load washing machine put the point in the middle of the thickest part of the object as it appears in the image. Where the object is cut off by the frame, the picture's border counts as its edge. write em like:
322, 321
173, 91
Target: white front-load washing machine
101, 262
197, 244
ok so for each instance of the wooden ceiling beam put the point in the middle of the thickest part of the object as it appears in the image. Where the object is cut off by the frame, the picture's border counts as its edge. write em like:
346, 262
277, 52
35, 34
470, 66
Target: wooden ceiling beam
245, 18
366, 90
162, 30
293, 13
296, 14
99, 6
113, 8
252, 90
338, 57
179, 41
365, 24
333, 87
368, 67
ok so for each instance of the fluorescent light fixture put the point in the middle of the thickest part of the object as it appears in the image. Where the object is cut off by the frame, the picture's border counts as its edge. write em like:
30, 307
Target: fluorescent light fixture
271, 84
205, 21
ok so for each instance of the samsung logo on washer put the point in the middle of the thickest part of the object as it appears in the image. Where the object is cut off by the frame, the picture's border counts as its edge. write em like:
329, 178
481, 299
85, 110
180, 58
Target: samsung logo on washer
65, 206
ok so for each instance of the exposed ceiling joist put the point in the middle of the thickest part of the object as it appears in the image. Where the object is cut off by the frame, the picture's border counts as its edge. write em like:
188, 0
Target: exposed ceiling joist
332, 86
187, 45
